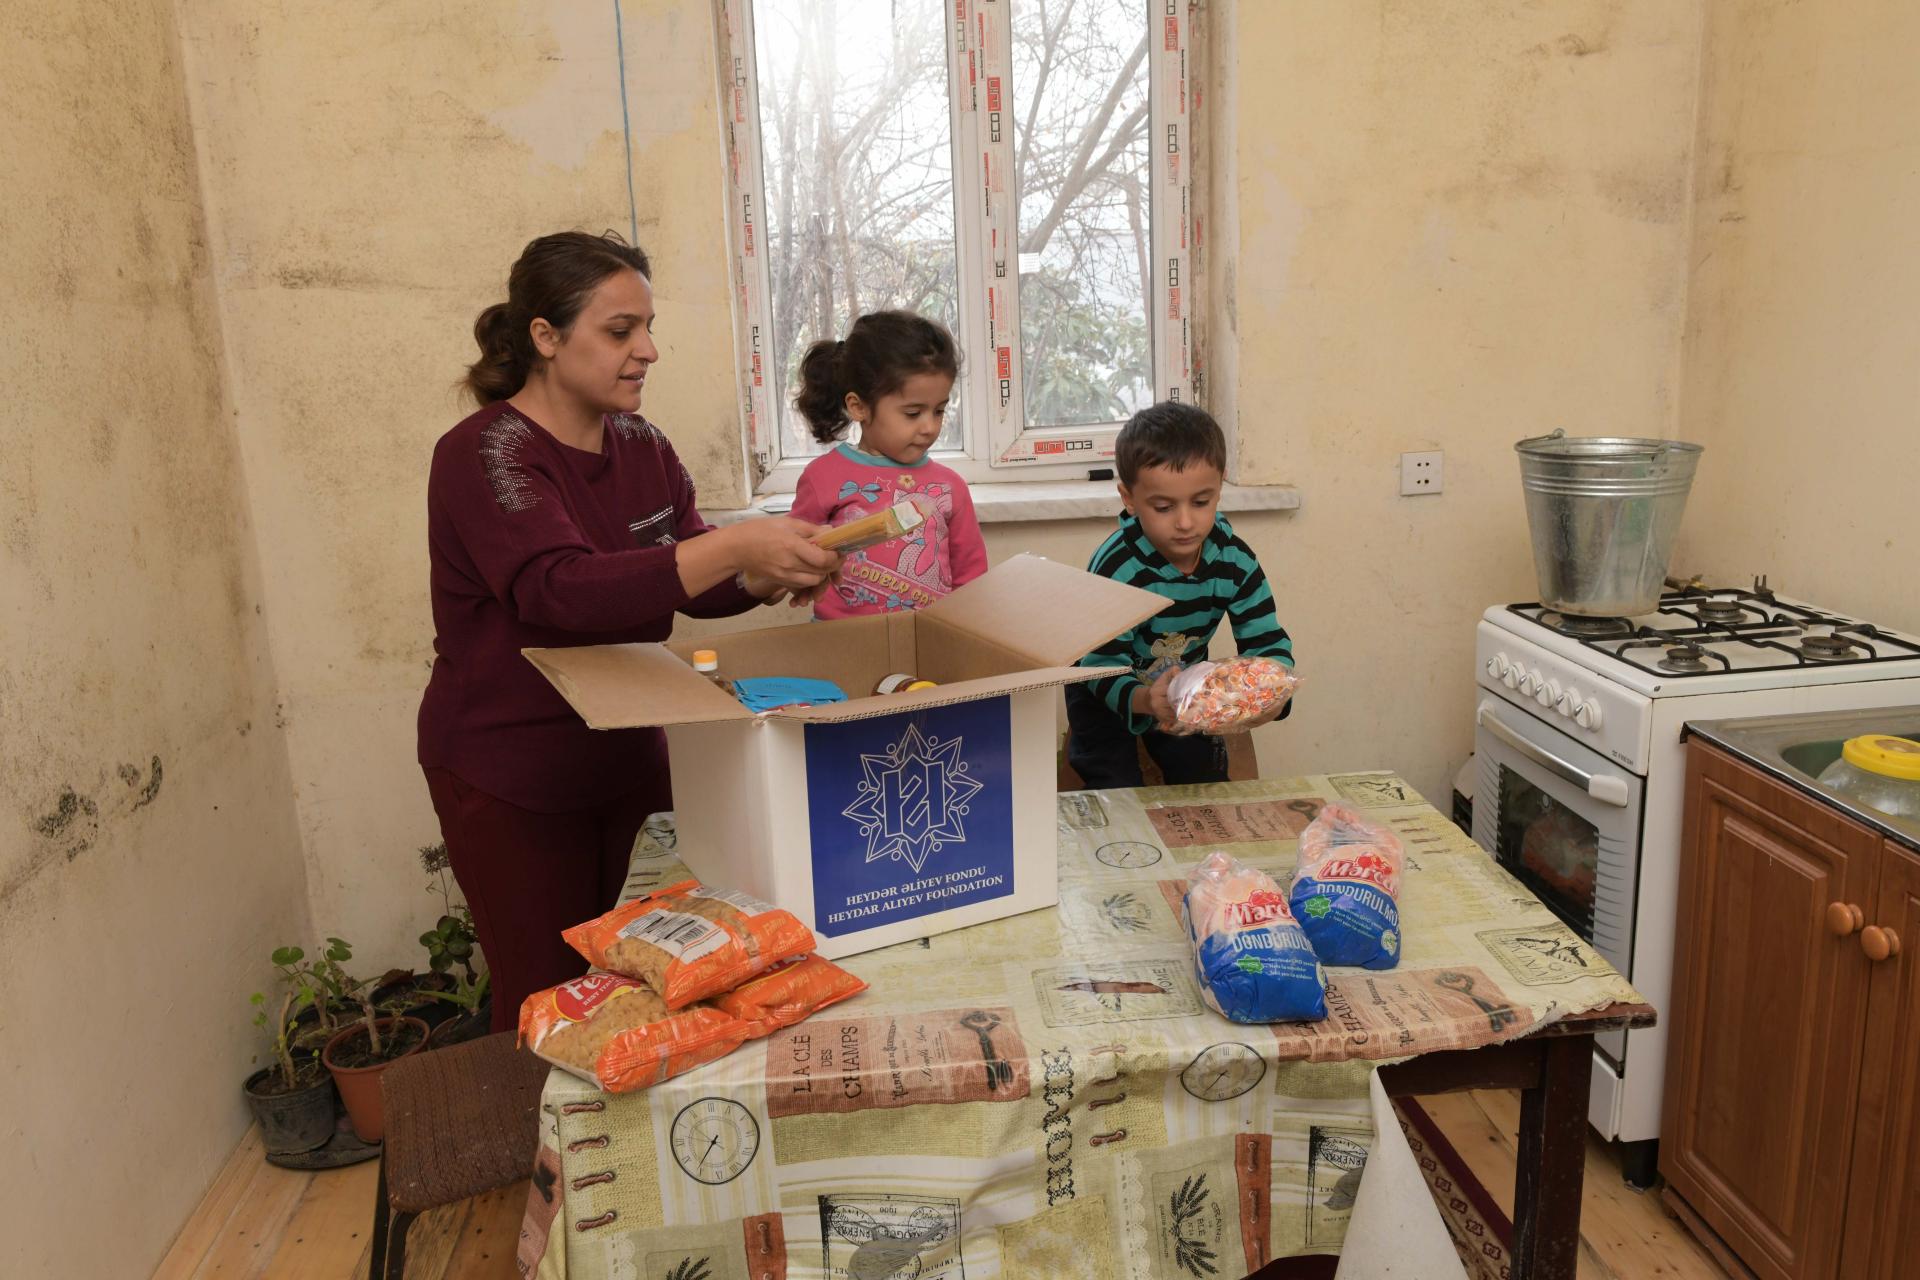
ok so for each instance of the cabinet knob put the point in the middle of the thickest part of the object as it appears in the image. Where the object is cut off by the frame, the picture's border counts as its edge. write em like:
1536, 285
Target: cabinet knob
1843, 918
1879, 943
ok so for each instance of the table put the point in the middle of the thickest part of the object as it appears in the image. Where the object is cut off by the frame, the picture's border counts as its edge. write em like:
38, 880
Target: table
1047, 1096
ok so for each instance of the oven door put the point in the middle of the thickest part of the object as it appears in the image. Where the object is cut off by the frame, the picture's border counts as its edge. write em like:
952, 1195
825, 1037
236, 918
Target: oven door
1564, 820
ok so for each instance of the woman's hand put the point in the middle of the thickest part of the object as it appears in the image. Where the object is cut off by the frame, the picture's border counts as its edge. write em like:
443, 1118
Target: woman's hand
769, 554
775, 553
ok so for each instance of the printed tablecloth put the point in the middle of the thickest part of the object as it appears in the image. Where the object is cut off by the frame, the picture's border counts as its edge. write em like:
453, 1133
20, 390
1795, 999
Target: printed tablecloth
1048, 1095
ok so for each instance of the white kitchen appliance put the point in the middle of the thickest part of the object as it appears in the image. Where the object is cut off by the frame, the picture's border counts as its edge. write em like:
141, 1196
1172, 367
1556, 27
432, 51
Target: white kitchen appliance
1582, 772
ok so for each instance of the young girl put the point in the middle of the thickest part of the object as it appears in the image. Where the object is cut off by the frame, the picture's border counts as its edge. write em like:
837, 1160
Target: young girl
892, 375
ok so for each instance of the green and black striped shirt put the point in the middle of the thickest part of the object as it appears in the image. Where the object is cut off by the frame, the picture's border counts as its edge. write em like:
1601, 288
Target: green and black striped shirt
1227, 581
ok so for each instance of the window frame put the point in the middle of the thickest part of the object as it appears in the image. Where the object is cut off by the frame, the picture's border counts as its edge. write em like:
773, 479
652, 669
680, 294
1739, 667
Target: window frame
997, 445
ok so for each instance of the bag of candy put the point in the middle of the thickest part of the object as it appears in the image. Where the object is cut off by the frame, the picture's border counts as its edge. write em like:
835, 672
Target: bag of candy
1346, 889
1231, 696
1254, 962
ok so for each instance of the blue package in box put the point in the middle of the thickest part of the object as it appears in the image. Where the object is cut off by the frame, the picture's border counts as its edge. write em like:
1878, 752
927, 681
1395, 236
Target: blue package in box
885, 818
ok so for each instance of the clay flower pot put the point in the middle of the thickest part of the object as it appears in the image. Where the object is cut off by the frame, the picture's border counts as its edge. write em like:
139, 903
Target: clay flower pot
359, 1081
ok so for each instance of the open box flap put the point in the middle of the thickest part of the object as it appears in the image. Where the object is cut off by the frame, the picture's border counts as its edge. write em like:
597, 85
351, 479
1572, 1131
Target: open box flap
1051, 612
625, 686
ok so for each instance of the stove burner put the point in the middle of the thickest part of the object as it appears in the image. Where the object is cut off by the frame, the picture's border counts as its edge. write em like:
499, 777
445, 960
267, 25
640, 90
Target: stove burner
1816, 647
1587, 628
1720, 612
1684, 659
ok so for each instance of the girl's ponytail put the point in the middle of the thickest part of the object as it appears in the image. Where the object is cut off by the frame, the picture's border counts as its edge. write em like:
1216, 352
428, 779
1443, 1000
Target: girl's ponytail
879, 354
822, 398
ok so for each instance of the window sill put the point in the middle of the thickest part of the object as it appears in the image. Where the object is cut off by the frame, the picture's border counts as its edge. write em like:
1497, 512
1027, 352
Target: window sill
1014, 502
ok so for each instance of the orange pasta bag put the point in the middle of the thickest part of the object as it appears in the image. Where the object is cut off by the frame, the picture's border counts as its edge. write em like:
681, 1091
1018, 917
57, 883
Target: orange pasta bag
615, 1033
788, 993
687, 941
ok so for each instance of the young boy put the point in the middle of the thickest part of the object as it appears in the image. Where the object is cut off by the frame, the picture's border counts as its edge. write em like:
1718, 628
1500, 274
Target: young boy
1171, 458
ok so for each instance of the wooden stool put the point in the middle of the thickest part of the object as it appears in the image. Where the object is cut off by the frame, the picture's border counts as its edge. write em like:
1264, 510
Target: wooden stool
461, 1121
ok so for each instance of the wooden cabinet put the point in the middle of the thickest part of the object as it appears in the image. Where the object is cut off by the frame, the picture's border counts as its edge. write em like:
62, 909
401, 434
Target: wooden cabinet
1883, 1193
1789, 1126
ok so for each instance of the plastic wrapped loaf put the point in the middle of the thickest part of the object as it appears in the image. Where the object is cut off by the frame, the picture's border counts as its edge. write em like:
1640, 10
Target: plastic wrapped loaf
1255, 963
1346, 889
1227, 697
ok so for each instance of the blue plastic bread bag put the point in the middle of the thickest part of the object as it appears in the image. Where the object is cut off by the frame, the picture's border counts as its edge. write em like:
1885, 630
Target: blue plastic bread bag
1254, 962
1346, 890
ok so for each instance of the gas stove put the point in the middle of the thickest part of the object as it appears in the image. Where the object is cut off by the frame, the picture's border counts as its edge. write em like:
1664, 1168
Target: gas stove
1704, 631
1581, 769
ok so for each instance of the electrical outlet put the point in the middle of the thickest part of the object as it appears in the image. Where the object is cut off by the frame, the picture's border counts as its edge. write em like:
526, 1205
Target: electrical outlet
1419, 473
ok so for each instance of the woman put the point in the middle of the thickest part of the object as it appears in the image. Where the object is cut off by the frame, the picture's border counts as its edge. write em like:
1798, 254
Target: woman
556, 515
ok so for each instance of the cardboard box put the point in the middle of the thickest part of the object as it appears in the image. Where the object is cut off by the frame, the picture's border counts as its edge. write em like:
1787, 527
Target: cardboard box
886, 818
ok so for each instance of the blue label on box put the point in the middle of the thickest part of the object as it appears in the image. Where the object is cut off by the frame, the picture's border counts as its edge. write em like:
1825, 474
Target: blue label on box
910, 814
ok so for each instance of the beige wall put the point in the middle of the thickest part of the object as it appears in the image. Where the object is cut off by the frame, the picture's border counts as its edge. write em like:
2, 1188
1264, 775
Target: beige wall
148, 856
1803, 337
374, 170
1448, 226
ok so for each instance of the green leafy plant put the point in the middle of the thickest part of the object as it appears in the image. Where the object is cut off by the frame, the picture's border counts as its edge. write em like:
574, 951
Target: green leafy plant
452, 940
319, 984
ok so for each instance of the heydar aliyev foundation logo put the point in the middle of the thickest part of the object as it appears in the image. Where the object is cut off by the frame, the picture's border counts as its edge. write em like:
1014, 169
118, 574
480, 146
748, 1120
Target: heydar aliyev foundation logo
913, 798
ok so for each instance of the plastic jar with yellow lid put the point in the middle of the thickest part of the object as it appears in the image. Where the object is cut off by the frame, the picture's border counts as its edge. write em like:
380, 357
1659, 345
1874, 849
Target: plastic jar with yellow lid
1878, 770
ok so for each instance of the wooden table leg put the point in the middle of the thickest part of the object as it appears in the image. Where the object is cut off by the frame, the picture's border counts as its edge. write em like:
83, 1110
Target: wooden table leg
1552, 1163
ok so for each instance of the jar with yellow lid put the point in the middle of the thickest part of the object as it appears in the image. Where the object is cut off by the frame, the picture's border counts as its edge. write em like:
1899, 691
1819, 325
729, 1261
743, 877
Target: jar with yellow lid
1878, 770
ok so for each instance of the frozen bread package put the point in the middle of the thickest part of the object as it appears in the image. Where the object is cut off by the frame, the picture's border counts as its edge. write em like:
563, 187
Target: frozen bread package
1255, 963
1346, 889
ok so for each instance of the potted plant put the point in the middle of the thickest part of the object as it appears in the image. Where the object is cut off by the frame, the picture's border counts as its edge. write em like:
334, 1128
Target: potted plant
293, 1099
360, 1052
452, 942
330, 1002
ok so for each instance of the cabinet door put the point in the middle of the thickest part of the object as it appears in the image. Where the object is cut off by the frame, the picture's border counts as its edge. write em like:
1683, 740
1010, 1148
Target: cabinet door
1767, 1017
1883, 1201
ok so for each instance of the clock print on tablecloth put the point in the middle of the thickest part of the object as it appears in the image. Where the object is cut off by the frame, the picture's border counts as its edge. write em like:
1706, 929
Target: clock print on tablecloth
714, 1140
1223, 1071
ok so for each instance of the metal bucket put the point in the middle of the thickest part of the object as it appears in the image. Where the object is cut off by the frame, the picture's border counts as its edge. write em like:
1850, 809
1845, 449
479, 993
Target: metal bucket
1604, 511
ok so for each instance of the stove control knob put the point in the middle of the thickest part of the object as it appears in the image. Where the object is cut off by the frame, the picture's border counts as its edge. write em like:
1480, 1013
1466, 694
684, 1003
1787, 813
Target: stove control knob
1497, 665
1529, 681
1548, 693
1513, 675
1568, 703
1587, 715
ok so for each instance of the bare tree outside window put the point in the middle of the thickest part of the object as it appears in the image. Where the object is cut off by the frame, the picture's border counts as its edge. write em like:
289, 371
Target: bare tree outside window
858, 174
1080, 158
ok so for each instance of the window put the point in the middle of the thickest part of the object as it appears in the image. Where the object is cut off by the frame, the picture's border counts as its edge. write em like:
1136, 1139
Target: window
1017, 169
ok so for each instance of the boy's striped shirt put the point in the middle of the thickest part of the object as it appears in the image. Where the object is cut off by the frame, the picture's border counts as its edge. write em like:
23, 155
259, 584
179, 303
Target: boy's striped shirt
1227, 581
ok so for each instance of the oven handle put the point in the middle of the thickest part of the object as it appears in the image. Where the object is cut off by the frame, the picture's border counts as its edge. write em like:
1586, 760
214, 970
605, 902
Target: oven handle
1607, 790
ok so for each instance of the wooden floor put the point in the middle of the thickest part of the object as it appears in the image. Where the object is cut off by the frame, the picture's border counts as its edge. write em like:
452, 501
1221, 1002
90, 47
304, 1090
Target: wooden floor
259, 1221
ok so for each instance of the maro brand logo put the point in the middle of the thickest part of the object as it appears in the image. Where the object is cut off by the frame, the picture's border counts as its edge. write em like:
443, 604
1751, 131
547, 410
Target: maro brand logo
1262, 907
913, 798
1372, 868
